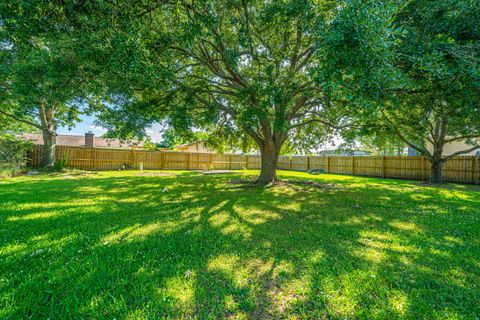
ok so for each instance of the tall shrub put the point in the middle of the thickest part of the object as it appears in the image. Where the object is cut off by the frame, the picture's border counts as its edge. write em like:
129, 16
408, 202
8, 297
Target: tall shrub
13, 154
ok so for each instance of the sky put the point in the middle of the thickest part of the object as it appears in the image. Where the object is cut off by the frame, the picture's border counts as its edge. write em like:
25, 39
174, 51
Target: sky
87, 123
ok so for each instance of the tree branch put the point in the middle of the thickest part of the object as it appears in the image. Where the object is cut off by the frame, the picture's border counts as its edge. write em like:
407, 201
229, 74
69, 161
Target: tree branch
33, 124
331, 125
459, 153
473, 136
400, 135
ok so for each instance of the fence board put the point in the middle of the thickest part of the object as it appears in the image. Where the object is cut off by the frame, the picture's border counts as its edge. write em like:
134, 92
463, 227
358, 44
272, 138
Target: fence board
460, 169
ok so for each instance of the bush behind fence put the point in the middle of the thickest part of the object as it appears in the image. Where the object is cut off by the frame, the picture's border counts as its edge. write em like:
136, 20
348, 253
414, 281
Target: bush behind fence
459, 169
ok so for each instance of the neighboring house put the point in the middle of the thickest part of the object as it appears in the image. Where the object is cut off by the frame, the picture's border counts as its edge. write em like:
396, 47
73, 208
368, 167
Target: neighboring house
412, 152
456, 146
343, 152
198, 146
88, 140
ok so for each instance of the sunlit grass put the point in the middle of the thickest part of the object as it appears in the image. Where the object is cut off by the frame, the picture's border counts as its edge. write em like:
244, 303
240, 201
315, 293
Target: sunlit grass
114, 245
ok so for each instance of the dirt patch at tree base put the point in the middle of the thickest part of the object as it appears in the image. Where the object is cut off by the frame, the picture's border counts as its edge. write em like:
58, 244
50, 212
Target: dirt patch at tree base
308, 183
214, 171
246, 183
72, 174
157, 174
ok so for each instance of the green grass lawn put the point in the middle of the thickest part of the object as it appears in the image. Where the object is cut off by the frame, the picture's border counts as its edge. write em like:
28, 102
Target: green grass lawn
113, 245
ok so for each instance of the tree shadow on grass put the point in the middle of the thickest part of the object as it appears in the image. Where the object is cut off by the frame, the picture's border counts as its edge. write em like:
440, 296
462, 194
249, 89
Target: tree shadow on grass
119, 247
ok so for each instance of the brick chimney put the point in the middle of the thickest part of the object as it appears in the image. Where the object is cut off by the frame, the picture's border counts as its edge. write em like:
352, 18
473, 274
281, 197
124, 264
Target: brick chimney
89, 139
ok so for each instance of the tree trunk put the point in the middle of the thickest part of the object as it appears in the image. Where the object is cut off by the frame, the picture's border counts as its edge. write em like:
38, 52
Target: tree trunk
436, 170
269, 154
436, 161
49, 143
49, 131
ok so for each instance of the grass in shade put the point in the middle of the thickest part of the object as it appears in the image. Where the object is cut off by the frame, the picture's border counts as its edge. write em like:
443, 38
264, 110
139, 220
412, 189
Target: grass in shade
114, 245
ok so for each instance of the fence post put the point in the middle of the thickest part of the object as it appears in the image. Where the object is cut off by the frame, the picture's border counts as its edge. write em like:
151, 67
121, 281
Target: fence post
425, 173
328, 164
353, 165
477, 170
422, 165
291, 162
308, 163
188, 160
473, 169
246, 161
162, 157
133, 158
34, 156
384, 160
230, 161
93, 155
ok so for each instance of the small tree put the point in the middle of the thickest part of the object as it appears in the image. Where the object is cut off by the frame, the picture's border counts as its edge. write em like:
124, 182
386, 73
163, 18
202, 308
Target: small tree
440, 102
416, 73
437, 126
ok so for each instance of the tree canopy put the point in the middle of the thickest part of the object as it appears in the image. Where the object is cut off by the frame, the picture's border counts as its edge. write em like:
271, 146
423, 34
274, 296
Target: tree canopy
42, 78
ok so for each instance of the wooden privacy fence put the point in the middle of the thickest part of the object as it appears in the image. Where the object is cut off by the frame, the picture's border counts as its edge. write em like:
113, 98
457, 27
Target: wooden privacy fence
459, 169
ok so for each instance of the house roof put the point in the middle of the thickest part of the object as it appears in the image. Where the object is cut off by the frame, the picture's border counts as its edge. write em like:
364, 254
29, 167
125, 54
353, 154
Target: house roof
79, 141
342, 151
190, 144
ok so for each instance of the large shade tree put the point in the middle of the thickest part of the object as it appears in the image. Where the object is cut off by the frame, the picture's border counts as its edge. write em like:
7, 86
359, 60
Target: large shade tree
428, 88
243, 68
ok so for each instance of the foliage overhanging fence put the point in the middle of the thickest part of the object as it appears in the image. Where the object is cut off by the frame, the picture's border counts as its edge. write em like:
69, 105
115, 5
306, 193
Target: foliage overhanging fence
459, 169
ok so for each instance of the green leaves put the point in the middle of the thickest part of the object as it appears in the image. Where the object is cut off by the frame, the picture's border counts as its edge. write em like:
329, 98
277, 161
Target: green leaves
42, 72
409, 64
